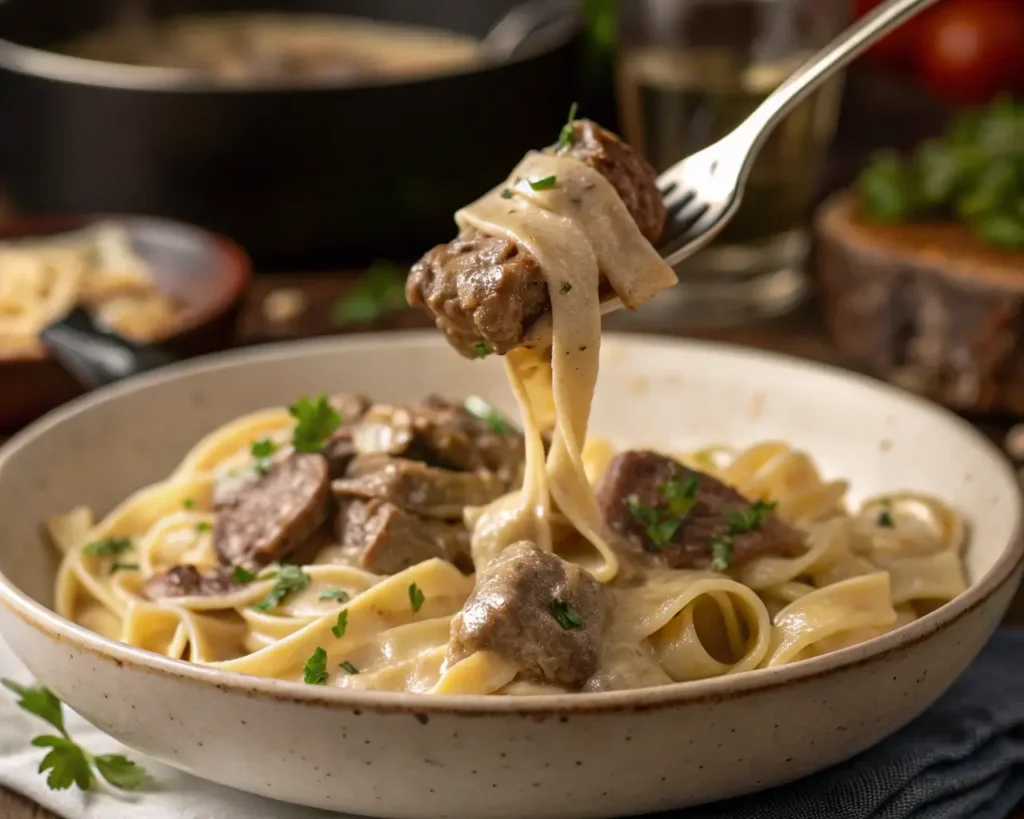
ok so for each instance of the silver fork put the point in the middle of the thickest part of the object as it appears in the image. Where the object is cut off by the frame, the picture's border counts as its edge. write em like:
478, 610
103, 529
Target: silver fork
702, 192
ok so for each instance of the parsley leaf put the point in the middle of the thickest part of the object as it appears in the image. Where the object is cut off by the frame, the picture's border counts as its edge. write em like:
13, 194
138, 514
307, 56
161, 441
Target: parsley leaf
108, 546
566, 615
40, 702
565, 138
67, 763
506, 193
543, 184
314, 672
290, 579
334, 593
380, 293
416, 597
885, 519
315, 420
749, 519
338, 630
565, 288
662, 522
482, 349
263, 449
120, 771
204, 526
243, 575
351, 669
721, 553
480, 409
189, 503
124, 567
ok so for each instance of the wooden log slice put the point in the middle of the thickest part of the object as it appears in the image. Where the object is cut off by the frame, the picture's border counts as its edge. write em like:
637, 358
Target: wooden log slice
925, 306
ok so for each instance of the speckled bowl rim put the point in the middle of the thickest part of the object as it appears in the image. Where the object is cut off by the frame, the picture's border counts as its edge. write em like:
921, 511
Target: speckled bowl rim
52, 625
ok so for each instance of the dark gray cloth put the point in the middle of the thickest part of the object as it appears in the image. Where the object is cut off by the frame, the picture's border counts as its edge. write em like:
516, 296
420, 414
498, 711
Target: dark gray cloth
962, 759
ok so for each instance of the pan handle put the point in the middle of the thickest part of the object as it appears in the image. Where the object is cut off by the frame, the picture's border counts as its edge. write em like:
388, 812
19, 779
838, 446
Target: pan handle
96, 356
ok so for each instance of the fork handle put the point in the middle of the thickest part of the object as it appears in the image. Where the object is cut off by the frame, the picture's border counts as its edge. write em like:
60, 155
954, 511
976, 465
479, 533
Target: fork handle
822, 66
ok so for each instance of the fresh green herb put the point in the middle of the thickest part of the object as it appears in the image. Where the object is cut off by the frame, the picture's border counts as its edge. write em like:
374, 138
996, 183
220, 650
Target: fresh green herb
263, 449
565, 138
123, 567
721, 553
67, 763
663, 521
204, 526
243, 575
506, 193
379, 294
108, 546
973, 173
189, 503
315, 420
566, 615
885, 519
314, 672
477, 407
565, 288
333, 593
543, 184
270, 574
338, 630
351, 669
290, 579
482, 349
416, 597
749, 519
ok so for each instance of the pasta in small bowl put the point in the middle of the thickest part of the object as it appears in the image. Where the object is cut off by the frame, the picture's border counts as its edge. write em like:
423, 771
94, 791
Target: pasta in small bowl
370, 557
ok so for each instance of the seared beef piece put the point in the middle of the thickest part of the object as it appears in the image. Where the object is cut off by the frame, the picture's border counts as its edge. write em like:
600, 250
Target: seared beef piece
485, 289
389, 540
633, 499
187, 581
539, 612
339, 449
268, 518
416, 487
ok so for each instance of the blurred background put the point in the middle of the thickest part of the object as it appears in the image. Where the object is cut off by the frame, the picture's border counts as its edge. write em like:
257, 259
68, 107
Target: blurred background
181, 176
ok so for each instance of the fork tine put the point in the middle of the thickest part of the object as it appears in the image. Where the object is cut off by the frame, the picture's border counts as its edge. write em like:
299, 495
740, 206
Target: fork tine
681, 225
674, 206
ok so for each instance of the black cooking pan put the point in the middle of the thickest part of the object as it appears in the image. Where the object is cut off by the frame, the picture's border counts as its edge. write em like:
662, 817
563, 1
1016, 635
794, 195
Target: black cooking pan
299, 175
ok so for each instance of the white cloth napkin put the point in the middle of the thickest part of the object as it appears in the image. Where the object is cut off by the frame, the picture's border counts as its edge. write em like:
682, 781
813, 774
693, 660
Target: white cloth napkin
171, 794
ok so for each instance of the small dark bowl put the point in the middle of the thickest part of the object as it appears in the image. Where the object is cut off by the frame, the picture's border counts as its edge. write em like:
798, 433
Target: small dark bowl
206, 273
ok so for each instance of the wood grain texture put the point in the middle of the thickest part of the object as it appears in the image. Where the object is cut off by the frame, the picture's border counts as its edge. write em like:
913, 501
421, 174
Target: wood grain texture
800, 334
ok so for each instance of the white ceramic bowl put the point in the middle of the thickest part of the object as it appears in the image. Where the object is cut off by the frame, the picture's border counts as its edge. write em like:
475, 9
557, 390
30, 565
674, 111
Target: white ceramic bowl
563, 756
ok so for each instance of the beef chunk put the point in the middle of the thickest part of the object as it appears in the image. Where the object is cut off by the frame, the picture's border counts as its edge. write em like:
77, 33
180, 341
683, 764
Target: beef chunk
539, 612
187, 581
484, 289
416, 487
267, 519
672, 516
340, 449
389, 540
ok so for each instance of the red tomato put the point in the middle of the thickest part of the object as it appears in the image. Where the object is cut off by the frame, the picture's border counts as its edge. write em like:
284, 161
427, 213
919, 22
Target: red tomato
898, 49
972, 49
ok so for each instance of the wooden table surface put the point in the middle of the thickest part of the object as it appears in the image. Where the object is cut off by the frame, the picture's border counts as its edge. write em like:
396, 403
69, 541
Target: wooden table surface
800, 334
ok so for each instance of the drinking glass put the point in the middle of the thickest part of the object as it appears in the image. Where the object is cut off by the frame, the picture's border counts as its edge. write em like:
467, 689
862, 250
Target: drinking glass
688, 72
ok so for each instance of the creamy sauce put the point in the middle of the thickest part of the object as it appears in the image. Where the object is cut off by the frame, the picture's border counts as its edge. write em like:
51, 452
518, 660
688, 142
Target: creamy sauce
250, 47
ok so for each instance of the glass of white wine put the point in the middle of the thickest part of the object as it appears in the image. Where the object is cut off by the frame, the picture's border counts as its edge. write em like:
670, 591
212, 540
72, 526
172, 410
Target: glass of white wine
688, 72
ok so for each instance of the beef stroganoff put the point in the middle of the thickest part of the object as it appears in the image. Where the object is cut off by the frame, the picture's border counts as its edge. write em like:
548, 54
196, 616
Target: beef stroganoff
440, 548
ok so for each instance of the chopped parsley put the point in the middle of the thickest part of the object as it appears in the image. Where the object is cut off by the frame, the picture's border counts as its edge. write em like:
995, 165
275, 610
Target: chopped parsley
662, 522
314, 672
289, 580
315, 420
262, 452
566, 615
124, 567
749, 519
477, 407
338, 630
416, 597
351, 669
108, 546
482, 349
885, 519
67, 763
204, 526
565, 288
565, 138
379, 294
544, 183
243, 575
506, 193
721, 553
334, 593
189, 503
